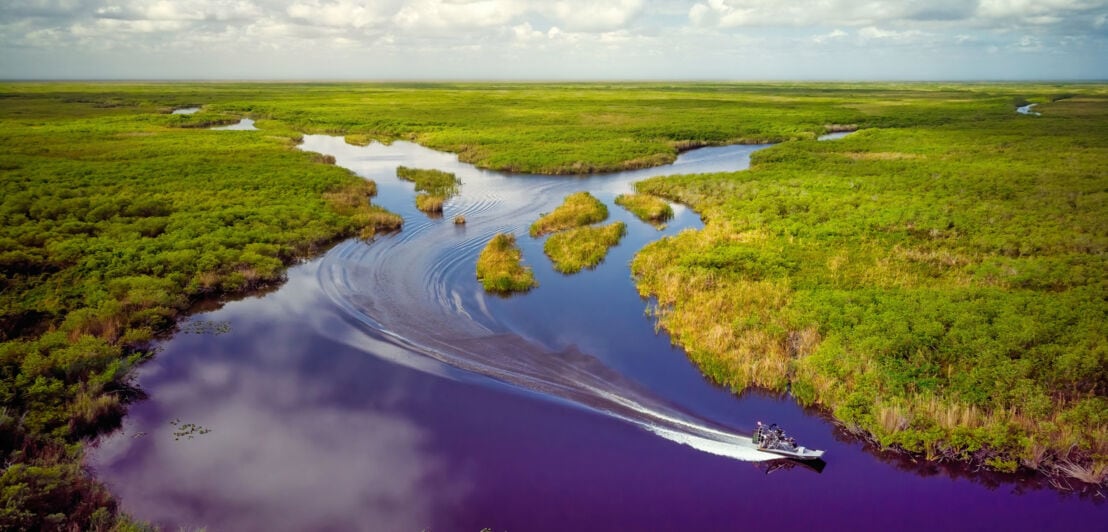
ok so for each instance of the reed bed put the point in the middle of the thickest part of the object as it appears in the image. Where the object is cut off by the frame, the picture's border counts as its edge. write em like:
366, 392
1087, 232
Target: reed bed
577, 210
582, 247
500, 268
650, 209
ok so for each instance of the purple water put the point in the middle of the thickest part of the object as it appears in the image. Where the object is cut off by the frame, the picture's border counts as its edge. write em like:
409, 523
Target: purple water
381, 389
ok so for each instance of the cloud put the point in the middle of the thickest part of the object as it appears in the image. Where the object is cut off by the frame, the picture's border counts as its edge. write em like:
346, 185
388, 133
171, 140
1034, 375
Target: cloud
336, 14
183, 10
590, 15
980, 13
458, 14
835, 35
753, 13
396, 31
875, 33
335, 462
44, 8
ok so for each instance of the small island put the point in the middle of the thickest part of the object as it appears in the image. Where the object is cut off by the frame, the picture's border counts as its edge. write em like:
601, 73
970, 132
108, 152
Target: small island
583, 247
434, 187
578, 209
500, 268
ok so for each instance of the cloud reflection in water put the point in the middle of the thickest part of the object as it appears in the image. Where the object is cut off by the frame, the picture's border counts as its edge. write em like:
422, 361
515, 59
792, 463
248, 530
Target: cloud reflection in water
294, 444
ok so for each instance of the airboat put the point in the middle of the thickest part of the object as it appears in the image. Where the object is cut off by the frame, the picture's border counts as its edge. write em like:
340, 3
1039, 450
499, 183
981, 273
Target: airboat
772, 439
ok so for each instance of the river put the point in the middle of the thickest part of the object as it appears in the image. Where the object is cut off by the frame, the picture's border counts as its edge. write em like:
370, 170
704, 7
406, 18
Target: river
381, 389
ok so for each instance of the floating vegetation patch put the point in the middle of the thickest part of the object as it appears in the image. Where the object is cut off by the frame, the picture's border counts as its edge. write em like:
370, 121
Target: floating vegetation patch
435, 186
500, 268
582, 247
187, 430
429, 203
578, 209
214, 328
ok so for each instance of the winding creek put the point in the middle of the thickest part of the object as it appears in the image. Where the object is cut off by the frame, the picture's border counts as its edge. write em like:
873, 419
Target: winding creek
381, 389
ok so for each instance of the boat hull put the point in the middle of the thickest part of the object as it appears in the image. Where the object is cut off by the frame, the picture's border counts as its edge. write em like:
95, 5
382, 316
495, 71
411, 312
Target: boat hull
800, 454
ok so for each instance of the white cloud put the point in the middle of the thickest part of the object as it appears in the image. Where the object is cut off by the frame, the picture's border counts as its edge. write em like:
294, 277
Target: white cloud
835, 35
396, 31
772, 13
457, 14
184, 10
1029, 43
1032, 8
742, 13
873, 32
525, 33
335, 13
591, 15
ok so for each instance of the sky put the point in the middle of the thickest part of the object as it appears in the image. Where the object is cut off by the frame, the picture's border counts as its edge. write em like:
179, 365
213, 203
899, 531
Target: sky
555, 39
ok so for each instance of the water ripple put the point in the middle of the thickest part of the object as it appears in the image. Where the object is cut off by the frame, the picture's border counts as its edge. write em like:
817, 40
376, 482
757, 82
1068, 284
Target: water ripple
417, 287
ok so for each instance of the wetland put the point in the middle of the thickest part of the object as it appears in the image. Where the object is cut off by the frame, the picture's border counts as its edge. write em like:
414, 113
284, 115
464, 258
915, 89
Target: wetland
923, 293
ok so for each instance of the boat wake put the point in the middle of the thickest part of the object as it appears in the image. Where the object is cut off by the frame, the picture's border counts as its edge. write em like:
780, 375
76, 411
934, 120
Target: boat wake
415, 290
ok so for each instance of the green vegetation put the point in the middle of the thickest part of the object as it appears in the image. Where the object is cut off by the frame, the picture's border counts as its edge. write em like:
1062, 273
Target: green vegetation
576, 244
647, 208
113, 221
940, 289
500, 268
582, 247
578, 209
432, 181
435, 186
429, 203
936, 280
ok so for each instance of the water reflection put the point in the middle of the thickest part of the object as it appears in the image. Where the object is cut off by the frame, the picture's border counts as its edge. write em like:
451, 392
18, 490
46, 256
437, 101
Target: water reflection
574, 338
285, 428
835, 135
1026, 110
326, 412
245, 124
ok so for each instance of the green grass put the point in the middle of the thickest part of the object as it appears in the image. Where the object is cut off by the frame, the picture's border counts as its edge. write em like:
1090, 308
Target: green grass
434, 182
935, 281
500, 268
939, 289
578, 209
582, 247
647, 208
435, 186
113, 220
429, 203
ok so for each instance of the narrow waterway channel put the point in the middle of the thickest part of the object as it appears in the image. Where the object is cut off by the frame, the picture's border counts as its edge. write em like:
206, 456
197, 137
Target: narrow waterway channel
381, 389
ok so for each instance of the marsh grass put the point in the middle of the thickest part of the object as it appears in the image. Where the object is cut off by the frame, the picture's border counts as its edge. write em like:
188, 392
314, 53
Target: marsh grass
950, 256
500, 268
578, 209
949, 271
582, 247
647, 208
353, 200
429, 203
430, 181
434, 187
114, 218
